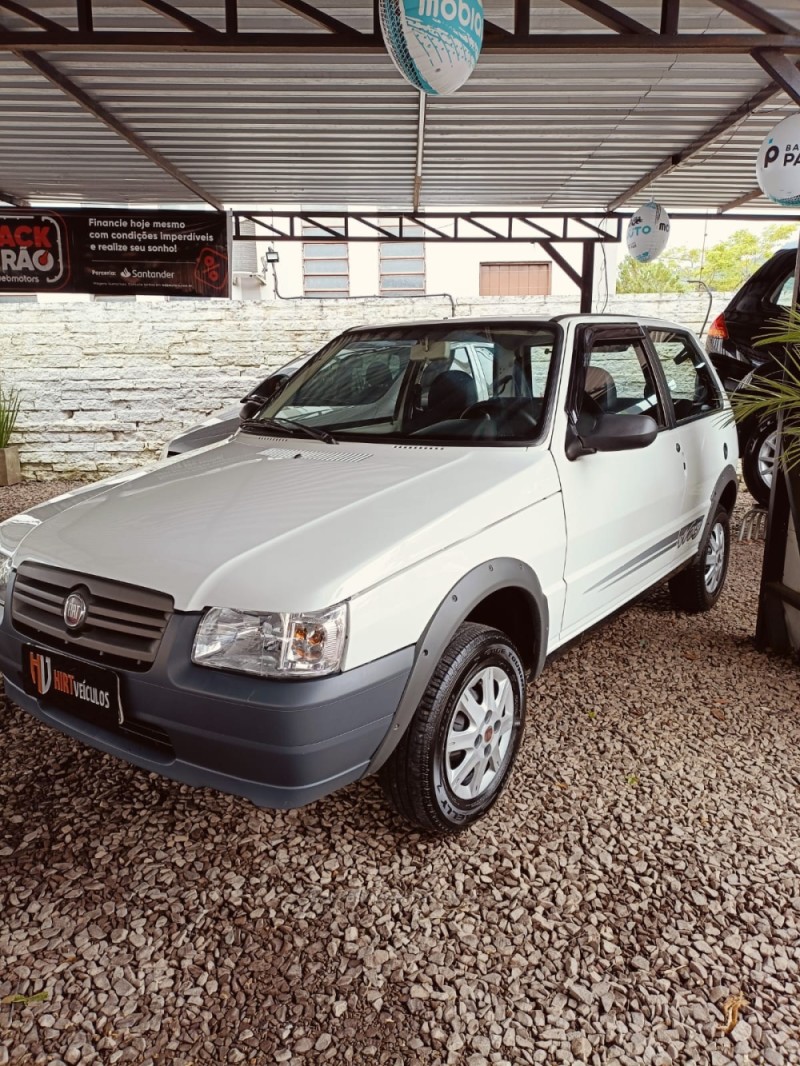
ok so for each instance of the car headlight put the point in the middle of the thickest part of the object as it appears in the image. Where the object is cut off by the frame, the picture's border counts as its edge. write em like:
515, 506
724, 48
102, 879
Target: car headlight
272, 645
14, 530
5, 575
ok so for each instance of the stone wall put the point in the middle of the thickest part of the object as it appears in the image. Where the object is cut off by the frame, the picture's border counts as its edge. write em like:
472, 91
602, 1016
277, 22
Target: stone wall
105, 384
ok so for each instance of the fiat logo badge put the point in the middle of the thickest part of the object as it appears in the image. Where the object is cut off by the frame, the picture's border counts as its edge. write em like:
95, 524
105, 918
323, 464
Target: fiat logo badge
74, 610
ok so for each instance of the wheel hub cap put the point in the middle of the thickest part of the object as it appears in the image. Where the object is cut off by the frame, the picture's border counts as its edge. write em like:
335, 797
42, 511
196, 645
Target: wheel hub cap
766, 458
715, 558
479, 733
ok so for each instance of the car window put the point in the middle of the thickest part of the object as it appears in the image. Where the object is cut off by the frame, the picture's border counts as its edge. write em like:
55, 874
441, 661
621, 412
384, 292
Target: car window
691, 386
783, 295
451, 382
619, 381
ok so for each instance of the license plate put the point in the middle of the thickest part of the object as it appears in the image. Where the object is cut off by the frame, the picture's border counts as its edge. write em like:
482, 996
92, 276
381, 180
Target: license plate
70, 685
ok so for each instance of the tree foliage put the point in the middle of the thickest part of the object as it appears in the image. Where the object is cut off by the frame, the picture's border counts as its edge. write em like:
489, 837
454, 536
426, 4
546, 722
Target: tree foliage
724, 267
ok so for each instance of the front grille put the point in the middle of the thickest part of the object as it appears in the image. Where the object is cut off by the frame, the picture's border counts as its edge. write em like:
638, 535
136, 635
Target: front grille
123, 626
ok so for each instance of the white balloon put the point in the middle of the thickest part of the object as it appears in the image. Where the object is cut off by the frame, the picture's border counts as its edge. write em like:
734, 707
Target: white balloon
648, 233
778, 163
434, 44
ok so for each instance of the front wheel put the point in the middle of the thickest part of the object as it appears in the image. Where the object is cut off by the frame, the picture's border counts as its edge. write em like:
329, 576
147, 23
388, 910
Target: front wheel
758, 462
458, 751
699, 586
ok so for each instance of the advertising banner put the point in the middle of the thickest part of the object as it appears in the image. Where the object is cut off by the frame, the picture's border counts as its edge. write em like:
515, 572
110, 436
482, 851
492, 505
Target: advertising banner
114, 252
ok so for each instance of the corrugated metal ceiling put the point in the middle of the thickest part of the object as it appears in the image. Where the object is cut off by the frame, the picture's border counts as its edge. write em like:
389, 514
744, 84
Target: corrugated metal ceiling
330, 129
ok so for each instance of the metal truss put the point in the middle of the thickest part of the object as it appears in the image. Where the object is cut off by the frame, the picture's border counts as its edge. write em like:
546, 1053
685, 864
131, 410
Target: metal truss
440, 227
188, 33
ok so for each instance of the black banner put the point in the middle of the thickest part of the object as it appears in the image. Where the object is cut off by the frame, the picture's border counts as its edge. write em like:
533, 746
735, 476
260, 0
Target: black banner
114, 252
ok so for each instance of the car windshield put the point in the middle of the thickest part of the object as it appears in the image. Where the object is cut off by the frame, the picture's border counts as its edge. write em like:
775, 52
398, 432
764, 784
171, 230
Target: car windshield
450, 383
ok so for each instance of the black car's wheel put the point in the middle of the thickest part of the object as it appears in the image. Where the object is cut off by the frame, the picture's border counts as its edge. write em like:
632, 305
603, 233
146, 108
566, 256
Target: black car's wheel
758, 461
699, 586
456, 755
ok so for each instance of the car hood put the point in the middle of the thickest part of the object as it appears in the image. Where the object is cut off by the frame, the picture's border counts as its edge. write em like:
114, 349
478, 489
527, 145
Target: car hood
276, 524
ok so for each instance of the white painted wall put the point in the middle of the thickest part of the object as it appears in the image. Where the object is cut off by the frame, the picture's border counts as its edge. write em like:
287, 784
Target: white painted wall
104, 385
450, 268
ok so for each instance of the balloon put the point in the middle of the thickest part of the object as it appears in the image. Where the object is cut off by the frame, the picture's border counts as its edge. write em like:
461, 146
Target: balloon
778, 163
434, 44
648, 233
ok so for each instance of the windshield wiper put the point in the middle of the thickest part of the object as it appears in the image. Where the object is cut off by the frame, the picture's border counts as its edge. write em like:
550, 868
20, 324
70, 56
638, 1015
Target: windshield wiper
288, 425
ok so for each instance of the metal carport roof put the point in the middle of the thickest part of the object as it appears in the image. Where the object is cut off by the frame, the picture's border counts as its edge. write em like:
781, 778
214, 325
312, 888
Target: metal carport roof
574, 105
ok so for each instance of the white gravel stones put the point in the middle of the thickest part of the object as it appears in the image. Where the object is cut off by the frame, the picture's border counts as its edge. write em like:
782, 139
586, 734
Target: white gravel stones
641, 870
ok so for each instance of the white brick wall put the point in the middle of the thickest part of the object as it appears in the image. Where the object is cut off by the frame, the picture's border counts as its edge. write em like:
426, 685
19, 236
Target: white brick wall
104, 385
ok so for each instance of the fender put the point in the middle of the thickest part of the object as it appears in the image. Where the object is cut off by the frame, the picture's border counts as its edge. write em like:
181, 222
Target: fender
458, 604
726, 478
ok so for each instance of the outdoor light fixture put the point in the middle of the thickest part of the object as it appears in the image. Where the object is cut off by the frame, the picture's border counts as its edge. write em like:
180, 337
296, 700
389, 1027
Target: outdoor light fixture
270, 256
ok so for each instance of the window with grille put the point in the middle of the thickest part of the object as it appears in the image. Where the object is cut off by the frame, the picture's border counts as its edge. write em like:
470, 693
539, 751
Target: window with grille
403, 265
515, 279
326, 266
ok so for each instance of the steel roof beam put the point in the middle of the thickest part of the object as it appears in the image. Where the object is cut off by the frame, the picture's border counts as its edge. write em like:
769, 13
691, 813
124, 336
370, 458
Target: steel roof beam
755, 15
720, 127
371, 44
731, 204
320, 18
782, 70
85, 15
522, 17
173, 13
608, 16
670, 15
31, 16
15, 201
95, 108
420, 158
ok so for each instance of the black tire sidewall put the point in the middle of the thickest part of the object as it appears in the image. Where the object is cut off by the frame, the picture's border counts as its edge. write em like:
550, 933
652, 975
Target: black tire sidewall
493, 650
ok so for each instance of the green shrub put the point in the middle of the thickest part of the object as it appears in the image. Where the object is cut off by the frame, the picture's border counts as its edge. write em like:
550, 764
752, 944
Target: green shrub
9, 413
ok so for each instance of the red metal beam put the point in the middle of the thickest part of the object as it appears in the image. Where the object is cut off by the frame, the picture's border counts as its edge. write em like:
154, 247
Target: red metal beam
176, 15
31, 16
609, 16
782, 70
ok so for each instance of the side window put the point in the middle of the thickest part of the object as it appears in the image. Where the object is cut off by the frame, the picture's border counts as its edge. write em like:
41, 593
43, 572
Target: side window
690, 384
619, 381
783, 296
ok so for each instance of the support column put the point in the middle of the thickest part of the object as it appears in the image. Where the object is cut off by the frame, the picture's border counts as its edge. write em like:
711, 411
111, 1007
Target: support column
587, 278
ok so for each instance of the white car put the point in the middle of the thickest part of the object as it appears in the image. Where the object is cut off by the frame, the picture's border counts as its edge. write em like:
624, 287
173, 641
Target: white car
364, 576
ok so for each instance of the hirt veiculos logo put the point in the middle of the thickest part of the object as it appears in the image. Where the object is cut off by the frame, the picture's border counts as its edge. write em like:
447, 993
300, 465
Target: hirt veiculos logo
34, 251
41, 671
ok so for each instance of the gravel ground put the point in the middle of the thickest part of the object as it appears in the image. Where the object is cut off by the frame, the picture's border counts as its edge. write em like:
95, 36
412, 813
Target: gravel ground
640, 873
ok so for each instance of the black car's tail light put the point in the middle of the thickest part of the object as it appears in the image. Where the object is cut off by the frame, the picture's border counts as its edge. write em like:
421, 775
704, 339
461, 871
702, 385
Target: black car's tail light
718, 328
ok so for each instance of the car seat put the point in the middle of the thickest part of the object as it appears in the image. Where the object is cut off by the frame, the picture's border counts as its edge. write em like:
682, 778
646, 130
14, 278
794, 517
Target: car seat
451, 393
599, 391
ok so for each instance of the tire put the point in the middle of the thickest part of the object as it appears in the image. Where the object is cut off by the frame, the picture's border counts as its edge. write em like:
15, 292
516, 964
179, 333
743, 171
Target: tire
699, 586
758, 459
421, 778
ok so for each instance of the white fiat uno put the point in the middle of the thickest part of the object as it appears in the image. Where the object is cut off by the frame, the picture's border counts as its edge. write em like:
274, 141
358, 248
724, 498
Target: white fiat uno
363, 576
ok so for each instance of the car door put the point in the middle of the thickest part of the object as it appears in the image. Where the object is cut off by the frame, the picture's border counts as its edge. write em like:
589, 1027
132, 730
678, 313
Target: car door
623, 509
704, 434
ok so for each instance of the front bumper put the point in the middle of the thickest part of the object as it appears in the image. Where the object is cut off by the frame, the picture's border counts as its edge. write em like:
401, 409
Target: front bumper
278, 743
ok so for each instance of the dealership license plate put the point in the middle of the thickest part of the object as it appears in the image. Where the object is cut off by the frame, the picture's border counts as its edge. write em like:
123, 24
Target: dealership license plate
70, 685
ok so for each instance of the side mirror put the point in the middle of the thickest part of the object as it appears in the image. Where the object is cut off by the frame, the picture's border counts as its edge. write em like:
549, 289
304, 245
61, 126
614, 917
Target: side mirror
611, 433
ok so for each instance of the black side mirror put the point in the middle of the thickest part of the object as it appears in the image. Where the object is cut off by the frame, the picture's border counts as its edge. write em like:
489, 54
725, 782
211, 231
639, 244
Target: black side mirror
611, 433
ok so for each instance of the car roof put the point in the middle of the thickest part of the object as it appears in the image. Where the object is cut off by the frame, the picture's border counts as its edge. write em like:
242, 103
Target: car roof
524, 320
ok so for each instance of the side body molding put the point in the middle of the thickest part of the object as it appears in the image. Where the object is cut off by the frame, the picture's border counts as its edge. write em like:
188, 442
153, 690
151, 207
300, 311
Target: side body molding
458, 604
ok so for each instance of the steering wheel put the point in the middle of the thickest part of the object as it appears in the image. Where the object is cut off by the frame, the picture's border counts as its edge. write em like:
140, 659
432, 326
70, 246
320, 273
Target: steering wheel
486, 408
505, 411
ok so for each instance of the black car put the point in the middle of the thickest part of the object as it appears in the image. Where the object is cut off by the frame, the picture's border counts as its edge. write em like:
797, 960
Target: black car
761, 302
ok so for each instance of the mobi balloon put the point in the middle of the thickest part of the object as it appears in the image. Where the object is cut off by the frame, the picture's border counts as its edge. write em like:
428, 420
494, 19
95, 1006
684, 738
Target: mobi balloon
434, 44
648, 233
778, 165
